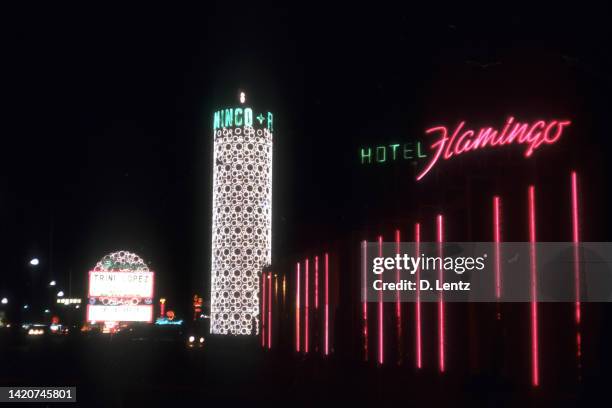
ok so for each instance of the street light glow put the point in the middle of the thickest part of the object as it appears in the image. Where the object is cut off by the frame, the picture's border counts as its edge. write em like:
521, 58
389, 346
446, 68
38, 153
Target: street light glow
60, 293
4, 301
34, 261
52, 283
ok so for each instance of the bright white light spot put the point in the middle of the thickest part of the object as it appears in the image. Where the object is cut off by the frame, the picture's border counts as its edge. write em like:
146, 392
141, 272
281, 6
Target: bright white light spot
60, 293
25, 306
34, 261
201, 339
242, 97
4, 301
47, 311
191, 339
77, 306
52, 283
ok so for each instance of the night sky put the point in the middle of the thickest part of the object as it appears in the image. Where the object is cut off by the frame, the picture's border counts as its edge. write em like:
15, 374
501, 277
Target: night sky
107, 140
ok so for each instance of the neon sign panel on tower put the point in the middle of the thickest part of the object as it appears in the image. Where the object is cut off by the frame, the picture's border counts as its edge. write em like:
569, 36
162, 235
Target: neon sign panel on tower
242, 216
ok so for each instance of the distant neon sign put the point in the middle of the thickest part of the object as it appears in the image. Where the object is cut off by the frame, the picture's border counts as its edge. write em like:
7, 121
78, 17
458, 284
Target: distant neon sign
236, 117
392, 152
463, 140
121, 284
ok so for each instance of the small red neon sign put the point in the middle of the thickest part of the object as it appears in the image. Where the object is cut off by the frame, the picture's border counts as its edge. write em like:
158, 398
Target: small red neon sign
463, 140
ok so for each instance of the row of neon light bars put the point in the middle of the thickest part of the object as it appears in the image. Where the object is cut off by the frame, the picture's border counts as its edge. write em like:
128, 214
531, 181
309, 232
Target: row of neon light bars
303, 270
303, 309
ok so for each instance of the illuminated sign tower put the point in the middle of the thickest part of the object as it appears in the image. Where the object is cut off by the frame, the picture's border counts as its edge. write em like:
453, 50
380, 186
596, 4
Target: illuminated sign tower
242, 216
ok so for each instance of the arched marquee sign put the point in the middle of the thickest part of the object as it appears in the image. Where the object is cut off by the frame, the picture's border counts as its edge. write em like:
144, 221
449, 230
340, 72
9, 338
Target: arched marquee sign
120, 289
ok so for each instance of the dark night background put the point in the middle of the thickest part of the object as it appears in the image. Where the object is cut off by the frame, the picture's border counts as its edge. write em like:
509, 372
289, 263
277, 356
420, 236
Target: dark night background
107, 141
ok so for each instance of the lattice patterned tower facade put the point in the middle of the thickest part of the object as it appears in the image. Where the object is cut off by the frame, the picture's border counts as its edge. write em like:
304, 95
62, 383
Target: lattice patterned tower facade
242, 216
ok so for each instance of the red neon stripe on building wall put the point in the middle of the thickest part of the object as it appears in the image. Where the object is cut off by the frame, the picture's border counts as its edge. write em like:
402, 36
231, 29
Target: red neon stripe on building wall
364, 255
381, 350
269, 310
263, 310
398, 309
497, 240
306, 307
316, 282
535, 368
441, 334
297, 308
326, 304
398, 304
576, 240
417, 241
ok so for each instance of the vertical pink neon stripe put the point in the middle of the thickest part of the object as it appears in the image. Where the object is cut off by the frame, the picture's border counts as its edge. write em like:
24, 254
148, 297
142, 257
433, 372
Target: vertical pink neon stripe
263, 314
269, 310
306, 308
297, 308
441, 339
398, 309
398, 304
381, 351
316, 282
497, 240
364, 256
535, 368
417, 242
576, 240
326, 304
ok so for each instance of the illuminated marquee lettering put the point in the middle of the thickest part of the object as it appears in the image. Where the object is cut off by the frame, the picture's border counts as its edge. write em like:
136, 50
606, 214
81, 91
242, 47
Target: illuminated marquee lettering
464, 140
120, 289
227, 118
392, 152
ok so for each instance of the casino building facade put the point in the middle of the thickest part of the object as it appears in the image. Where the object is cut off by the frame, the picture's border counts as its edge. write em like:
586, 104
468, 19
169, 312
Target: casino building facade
505, 179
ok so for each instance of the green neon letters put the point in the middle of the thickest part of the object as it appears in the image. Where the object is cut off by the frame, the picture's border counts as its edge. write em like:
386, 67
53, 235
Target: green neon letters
391, 152
230, 117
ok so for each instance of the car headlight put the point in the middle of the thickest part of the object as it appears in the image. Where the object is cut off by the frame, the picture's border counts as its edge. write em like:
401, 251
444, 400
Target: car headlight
191, 339
201, 339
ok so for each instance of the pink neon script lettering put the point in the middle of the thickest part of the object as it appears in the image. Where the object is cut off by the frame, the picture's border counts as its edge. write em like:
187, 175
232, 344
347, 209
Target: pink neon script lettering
463, 140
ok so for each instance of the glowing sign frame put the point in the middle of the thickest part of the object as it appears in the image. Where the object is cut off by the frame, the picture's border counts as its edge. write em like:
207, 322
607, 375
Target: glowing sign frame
136, 292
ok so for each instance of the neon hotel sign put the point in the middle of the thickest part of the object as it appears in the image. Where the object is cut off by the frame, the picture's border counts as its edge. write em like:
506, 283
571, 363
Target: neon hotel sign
465, 140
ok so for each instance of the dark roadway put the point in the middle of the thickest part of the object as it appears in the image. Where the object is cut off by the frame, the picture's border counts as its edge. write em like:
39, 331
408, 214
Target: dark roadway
124, 372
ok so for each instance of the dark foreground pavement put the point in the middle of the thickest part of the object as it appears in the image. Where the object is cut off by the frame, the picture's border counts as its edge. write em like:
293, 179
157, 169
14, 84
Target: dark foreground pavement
115, 372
